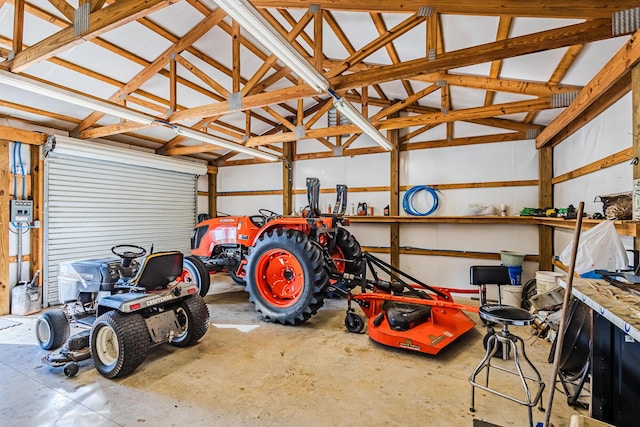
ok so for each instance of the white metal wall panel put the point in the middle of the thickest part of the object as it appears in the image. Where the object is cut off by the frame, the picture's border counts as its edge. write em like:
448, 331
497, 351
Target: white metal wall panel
93, 204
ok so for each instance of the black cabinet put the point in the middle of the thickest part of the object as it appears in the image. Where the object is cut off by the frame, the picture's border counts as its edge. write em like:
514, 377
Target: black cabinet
615, 374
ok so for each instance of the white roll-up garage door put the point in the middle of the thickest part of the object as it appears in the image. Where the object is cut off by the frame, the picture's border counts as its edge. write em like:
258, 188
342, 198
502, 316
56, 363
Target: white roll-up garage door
99, 196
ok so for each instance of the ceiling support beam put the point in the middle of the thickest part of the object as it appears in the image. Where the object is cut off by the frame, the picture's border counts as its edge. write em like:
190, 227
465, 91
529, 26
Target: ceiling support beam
159, 63
532, 8
101, 21
598, 29
410, 121
18, 25
615, 70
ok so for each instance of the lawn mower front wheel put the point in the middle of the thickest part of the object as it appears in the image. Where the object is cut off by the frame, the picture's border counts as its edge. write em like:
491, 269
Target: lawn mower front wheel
52, 329
119, 343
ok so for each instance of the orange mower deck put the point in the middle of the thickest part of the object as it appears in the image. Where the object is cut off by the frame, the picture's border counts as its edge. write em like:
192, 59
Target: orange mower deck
446, 323
415, 317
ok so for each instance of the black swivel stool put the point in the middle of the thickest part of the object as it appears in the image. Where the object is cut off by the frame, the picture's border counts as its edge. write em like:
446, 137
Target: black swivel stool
505, 341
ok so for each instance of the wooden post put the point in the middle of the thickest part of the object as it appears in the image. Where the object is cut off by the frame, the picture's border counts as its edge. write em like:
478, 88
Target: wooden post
394, 195
212, 178
635, 99
545, 199
287, 178
5, 289
37, 194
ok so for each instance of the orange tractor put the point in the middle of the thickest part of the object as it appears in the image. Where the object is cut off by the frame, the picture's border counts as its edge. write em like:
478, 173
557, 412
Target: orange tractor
287, 264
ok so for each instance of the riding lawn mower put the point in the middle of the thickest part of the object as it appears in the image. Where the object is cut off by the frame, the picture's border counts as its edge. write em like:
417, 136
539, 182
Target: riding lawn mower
122, 306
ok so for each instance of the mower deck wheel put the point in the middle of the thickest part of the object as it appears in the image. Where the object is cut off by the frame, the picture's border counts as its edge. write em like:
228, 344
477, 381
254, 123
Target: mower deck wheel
71, 369
354, 323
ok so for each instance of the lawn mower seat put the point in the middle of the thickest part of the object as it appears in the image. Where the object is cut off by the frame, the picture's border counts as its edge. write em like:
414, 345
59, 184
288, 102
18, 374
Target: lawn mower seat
158, 270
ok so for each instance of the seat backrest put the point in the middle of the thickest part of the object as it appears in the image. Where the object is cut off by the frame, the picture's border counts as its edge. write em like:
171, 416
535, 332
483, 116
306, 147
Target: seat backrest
158, 270
490, 275
482, 275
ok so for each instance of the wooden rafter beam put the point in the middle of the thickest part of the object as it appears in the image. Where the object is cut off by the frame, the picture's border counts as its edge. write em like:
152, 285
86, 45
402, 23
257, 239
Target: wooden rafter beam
12, 134
615, 70
504, 26
103, 20
159, 63
378, 21
406, 122
560, 37
598, 29
18, 25
608, 98
371, 47
568, 59
533, 8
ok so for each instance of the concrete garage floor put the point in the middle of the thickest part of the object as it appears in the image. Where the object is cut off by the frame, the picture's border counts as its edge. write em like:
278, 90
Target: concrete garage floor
263, 374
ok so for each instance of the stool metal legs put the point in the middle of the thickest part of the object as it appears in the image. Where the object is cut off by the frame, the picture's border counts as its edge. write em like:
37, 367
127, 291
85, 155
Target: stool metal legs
508, 340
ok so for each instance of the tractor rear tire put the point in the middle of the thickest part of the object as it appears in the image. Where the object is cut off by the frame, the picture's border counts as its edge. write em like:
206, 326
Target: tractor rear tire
193, 316
194, 271
347, 256
237, 280
119, 343
52, 329
286, 277
351, 251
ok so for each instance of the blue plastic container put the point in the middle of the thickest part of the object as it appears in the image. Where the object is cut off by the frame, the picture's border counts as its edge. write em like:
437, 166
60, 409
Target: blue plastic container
515, 274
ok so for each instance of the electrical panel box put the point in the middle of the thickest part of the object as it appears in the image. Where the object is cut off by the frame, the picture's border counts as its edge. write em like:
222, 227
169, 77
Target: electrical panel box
21, 211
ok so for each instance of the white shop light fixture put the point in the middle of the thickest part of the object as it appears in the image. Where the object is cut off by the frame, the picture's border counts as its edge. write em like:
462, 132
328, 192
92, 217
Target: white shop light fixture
33, 86
350, 112
210, 139
250, 19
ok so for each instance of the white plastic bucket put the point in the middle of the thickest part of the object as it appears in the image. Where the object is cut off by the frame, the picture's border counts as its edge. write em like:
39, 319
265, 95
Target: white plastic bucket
512, 295
547, 280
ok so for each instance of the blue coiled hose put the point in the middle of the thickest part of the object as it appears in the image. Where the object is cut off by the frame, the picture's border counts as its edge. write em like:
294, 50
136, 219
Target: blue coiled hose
407, 200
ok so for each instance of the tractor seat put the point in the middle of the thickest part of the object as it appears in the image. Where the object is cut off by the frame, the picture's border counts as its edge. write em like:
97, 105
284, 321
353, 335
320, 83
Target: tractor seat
158, 270
403, 316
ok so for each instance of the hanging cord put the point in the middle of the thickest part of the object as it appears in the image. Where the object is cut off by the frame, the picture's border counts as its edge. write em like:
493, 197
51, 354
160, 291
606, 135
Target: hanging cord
407, 200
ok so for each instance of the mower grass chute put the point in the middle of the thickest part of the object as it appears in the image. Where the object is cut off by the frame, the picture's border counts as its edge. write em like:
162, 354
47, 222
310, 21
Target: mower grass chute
415, 317
122, 306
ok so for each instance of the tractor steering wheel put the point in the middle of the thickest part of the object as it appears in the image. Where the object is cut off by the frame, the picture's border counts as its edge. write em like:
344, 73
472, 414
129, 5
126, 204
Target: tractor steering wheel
128, 255
268, 215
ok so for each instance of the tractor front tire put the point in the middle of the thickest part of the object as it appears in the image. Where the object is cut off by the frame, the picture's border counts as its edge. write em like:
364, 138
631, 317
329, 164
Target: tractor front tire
193, 316
286, 277
52, 329
119, 343
194, 271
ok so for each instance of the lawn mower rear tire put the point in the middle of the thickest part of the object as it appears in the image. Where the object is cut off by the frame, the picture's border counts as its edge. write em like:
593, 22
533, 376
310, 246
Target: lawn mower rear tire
119, 343
193, 316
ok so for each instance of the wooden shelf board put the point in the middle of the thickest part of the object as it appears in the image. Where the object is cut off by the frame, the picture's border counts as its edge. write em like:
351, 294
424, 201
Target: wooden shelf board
626, 228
